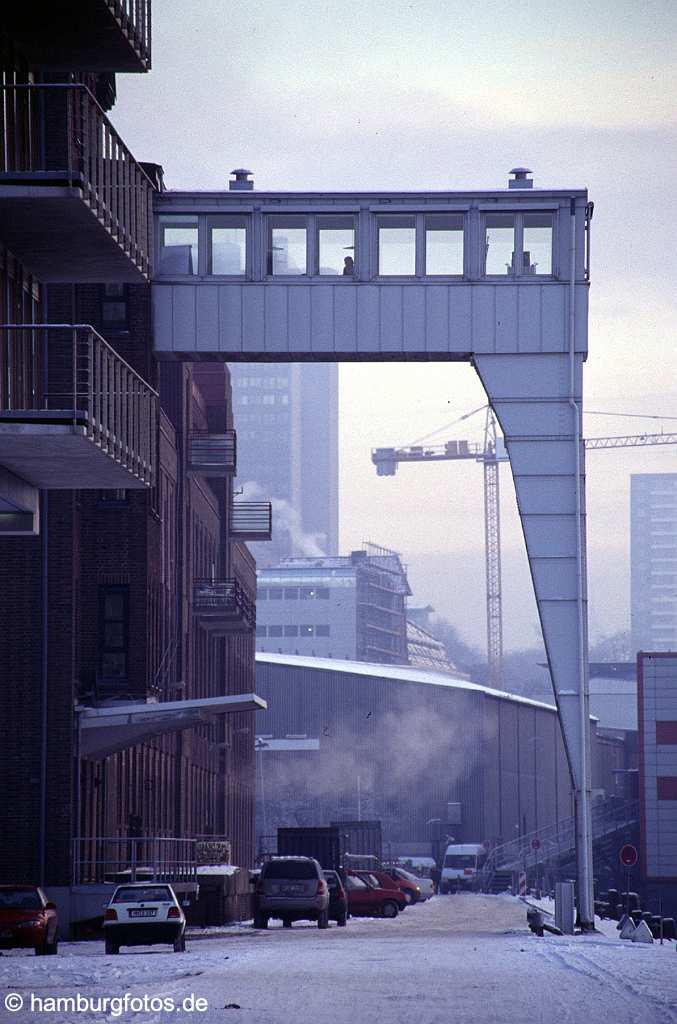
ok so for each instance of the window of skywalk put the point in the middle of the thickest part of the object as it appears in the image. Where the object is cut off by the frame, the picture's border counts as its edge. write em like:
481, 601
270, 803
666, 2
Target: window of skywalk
324, 244
517, 244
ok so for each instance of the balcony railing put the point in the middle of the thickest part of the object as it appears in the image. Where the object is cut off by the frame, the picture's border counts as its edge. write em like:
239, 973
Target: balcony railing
251, 520
98, 35
62, 386
223, 607
212, 454
58, 135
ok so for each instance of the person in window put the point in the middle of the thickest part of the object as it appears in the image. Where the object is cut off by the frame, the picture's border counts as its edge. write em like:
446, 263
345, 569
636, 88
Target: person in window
348, 266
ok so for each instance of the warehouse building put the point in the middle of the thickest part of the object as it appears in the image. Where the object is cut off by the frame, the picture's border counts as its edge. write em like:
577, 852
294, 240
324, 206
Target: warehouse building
428, 754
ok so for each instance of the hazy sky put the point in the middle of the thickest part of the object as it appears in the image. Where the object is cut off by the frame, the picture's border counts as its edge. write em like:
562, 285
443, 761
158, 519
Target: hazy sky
451, 95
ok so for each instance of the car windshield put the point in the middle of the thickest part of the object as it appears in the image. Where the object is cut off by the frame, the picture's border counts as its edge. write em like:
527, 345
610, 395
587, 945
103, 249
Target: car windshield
355, 883
19, 899
372, 880
460, 860
405, 875
297, 869
143, 894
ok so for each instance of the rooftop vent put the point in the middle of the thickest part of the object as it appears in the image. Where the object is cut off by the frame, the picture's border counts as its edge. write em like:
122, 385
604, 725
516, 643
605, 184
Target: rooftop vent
520, 180
242, 182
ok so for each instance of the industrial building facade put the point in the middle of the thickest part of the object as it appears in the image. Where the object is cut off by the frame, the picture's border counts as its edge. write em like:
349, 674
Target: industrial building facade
653, 561
287, 419
345, 606
125, 582
421, 751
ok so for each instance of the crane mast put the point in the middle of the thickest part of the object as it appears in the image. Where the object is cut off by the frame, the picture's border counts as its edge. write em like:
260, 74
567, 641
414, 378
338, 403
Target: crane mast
492, 544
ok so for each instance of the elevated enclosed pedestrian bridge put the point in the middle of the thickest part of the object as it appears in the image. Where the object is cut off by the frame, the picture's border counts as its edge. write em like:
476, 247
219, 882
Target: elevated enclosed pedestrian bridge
373, 276
499, 278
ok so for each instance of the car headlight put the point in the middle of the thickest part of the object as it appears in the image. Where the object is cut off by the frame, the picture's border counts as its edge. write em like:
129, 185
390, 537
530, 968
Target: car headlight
33, 923
418, 888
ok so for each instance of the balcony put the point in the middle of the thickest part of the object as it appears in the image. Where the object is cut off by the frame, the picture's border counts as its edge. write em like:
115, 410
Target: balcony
223, 608
94, 424
212, 454
75, 206
251, 520
97, 35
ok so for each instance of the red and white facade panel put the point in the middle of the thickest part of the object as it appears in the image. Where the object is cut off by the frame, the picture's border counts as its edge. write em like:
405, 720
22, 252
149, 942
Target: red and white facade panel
657, 694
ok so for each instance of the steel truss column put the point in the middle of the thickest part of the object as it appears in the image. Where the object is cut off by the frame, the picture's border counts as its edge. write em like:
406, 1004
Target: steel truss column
538, 407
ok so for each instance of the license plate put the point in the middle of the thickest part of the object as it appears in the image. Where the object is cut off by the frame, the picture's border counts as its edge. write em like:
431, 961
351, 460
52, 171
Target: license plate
142, 913
292, 890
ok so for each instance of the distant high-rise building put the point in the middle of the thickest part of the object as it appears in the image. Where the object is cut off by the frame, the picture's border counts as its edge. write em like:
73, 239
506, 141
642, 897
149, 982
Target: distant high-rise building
653, 557
287, 437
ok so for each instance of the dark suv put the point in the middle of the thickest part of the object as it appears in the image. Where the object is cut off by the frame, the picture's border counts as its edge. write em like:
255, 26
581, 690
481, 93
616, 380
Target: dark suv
292, 889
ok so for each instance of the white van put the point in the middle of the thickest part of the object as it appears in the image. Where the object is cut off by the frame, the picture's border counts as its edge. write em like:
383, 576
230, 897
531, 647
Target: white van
461, 864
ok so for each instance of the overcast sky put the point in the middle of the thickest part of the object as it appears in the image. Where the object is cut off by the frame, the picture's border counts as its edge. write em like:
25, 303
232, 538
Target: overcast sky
437, 95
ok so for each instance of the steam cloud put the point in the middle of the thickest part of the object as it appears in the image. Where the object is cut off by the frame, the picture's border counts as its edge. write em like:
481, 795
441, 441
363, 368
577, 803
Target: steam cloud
287, 519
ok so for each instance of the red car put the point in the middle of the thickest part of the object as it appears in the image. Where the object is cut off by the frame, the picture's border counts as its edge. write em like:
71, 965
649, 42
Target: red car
28, 920
409, 889
366, 899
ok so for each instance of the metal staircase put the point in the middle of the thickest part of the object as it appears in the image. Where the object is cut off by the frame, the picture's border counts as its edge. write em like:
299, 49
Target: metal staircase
552, 845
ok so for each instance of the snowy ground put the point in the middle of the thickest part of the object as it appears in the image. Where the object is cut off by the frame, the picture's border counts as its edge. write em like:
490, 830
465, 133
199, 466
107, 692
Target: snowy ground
454, 960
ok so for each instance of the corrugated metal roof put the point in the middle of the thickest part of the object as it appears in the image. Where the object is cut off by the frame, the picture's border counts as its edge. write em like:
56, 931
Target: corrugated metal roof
399, 673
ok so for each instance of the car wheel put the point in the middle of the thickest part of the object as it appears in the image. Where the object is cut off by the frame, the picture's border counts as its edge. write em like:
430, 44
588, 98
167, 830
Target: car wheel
260, 921
342, 919
323, 919
180, 944
286, 922
112, 948
389, 909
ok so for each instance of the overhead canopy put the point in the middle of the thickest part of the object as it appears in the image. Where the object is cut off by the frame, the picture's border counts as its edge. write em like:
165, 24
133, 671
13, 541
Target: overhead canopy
107, 730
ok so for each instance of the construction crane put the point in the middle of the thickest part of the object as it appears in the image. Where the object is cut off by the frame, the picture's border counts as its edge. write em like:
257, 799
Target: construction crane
491, 453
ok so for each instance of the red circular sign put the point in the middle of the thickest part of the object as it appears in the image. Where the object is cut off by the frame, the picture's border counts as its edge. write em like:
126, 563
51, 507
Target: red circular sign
628, 855
535, 844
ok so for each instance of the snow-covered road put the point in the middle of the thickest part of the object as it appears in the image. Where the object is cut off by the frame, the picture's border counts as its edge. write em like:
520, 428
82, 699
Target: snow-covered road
453, 960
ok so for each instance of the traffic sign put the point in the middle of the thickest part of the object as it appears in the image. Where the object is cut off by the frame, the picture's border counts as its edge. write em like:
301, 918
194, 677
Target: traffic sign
628, 855
535, 844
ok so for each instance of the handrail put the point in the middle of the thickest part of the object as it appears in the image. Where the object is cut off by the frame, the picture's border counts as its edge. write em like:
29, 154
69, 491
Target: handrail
88, 383
88, 151
556, 839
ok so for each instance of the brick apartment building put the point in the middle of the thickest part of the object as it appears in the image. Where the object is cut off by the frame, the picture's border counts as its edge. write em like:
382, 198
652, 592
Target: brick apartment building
125, 583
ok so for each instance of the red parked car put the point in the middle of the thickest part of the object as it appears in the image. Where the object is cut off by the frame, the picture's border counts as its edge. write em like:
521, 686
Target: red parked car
365, 899
28, 920
409, 889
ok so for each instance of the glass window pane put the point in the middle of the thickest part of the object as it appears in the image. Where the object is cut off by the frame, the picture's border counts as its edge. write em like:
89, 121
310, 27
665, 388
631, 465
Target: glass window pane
287, 246
336, 245
227, 245
537, 253
396, 245
114, 606
499, 242
178, 245
444, 243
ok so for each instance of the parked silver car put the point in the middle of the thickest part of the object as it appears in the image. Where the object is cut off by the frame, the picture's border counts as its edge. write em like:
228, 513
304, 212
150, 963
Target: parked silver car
291, 889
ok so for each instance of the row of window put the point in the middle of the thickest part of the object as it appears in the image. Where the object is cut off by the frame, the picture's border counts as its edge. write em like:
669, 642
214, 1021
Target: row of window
302, 631
407, 245
292, 593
